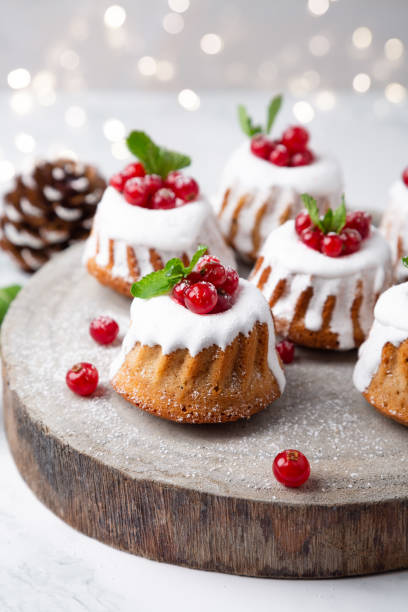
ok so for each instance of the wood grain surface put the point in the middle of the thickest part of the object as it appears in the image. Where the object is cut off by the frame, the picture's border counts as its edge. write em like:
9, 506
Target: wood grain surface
199, 496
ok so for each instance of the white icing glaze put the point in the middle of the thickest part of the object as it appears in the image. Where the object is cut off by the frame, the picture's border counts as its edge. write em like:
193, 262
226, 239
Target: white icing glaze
160, 321
30, 259
301, 267
54, 236
170, 232
394, 226
67, 214
390, 325
280, 187
58, 174
80, 184
93, 197
53, 195
30, 209
22, 238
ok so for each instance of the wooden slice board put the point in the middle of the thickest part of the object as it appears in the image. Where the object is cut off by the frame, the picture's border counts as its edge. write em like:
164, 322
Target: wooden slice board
199, 496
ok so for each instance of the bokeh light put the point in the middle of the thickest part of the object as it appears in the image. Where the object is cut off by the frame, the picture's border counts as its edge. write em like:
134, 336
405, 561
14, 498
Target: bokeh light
318, 7
395, 93
394, 49
303, 111
189, 100
173, 23
114, 130
115, 16
211, 43
147, 65
361, 82
362, 37
18, 78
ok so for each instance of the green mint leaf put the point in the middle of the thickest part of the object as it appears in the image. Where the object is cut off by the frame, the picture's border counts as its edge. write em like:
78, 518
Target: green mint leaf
273, 109
339, 217
174, 267
154, 284
7, 295
201, 250
327, 221
246, 124
405, 261
312, 209
156, 159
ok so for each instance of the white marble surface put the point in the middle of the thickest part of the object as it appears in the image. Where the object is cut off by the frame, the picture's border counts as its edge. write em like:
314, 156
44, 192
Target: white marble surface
45, 566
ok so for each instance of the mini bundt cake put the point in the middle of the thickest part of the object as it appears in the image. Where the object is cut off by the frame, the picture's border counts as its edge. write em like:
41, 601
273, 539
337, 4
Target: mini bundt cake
394, 225
322, 277
381, 372
204, 354
150, 213
262, 183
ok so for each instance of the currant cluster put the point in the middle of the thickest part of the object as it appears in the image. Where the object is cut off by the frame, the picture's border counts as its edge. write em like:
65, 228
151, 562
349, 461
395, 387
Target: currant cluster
209, 288
348, 241
405, 176
290, 150
151, 191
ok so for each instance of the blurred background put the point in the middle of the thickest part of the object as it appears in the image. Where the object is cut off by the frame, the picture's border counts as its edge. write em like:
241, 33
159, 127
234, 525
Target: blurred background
77, 75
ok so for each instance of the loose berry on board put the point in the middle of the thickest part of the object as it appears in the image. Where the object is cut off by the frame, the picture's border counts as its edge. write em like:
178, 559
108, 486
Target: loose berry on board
332, 245
104, 330
312, 237
279, 156
231, 283
291, 468
295, 138
302, 158
405, 176
286, 350
133, 170
201, 297
163, 199
211, 270
186, 188
351, 240
82, 378
360, 221
136, 192
179, 290
302, 222
261, 146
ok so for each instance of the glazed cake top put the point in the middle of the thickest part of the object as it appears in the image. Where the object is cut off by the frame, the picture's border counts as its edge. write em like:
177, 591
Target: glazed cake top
284, 245
160, 321
319, 178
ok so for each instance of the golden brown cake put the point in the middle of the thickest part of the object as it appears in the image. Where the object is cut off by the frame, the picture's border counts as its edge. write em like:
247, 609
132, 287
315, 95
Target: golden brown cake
194, 368
381, 372
317, 300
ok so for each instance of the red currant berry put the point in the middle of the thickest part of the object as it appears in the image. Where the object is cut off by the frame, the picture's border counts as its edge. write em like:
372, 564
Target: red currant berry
82, 378
133, 170
117, 181
194, 277
211, 270
180, 202
261, 146
201, 298
405, 176
291, 468
351, 240
231, 283
360, 221
332, 245
224, 302
302, 158
186, 188
295, 138
286, 350
312, 237
164, 199
171, 177
279, 156
302, 222
136, 192
153, 183
179, 291
104, 330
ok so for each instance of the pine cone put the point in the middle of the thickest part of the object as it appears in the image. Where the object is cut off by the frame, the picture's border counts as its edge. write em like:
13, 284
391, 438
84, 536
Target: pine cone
48, 210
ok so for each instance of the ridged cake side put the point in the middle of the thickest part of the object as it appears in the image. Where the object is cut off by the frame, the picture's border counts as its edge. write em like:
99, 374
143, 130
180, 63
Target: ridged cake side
214, 386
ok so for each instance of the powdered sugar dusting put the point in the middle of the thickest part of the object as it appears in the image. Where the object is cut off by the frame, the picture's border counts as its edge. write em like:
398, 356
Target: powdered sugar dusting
355, 453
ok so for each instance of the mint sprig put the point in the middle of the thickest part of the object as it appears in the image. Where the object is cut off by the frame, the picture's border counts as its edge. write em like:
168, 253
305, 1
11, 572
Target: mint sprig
332, 221
248, 126
156, 159
163, 281
7, 295
405, 261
